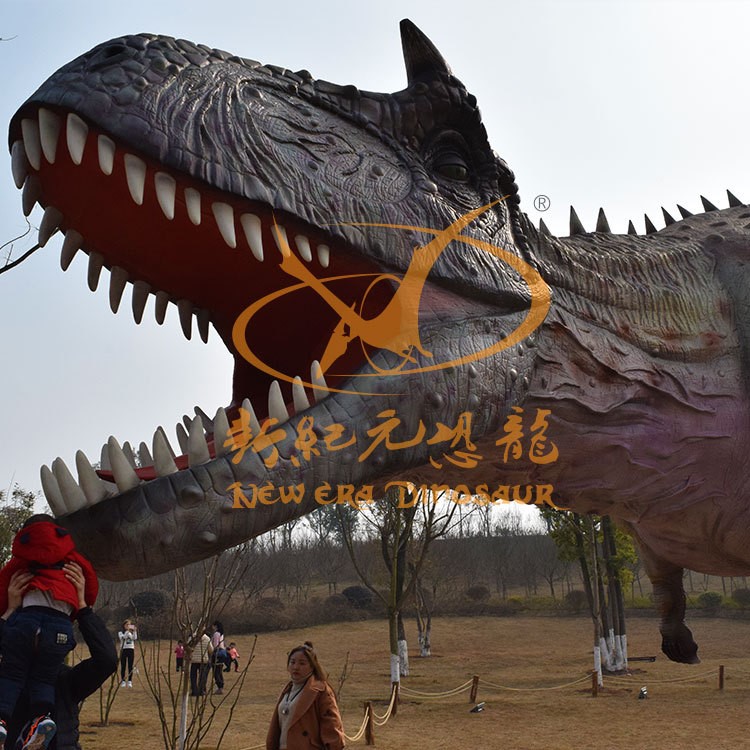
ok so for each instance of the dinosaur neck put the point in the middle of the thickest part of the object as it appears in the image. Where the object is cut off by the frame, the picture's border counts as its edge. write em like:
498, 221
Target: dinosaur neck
656, 292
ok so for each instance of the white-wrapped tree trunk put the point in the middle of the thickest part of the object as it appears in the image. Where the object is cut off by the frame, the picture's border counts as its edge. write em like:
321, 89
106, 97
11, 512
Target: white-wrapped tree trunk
403, 658
395, 669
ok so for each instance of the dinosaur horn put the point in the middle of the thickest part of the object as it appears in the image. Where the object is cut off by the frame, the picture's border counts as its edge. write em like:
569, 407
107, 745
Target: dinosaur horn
422, 59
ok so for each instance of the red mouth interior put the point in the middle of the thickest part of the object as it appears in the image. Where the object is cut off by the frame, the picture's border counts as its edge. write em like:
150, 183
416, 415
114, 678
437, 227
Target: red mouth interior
194, 263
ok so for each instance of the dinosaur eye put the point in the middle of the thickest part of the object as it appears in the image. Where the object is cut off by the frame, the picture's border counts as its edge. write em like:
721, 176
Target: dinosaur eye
454, 171
449, 160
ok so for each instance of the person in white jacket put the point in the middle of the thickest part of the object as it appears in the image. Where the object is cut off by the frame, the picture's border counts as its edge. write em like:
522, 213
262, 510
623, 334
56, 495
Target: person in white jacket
128, 636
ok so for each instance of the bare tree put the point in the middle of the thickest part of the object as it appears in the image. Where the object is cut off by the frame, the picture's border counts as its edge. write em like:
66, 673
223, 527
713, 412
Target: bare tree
200, 594
405, 523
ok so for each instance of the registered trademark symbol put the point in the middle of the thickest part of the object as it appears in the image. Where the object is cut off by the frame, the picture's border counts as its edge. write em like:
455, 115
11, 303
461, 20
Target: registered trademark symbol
541, 203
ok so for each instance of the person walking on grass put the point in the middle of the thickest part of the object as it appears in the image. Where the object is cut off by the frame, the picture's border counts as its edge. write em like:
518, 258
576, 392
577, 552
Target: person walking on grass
306, 716
200, 665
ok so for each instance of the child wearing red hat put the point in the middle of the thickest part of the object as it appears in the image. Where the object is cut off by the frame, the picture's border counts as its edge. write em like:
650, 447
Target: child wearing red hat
39, 635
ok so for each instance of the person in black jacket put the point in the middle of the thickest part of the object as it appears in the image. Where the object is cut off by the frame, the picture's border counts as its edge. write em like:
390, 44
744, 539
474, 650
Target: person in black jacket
73, 683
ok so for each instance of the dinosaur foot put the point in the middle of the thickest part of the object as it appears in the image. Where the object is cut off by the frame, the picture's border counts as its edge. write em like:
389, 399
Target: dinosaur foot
678, 644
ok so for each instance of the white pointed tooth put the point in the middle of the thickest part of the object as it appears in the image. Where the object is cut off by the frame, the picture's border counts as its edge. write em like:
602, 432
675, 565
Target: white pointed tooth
316, 377
104, 463
135, 171
117, 280
324, 255
93, 487
49, 130
71, 492
253, 234
31, 143
128, 451
96, 263
76, 134
299, 396
49, 225
165, 440
51, 490
204, 321
125, 476
144, 455
197, 448
182, 437
185, 308
71, 245
206, 421
221, 432
163, 456
141, 290
18, 164
276, 405
166, 189
193, 203
32, 191
105, 148
303, 246
160, 306
254, 423
224, 215
282, 241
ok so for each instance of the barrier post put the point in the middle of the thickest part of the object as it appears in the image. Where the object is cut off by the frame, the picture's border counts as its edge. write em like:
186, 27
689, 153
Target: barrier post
474, 688
394, 688
721, 677
370, 726
594, 683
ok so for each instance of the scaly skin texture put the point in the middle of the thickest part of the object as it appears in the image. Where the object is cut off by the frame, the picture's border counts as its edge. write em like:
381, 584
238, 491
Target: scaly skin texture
641, 360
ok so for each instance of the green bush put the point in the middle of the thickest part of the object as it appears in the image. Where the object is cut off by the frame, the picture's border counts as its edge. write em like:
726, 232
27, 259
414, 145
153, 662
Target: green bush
742, 597
640, 602
147, 603
576, 601
478, 593
710, 600
358, 596
542, 604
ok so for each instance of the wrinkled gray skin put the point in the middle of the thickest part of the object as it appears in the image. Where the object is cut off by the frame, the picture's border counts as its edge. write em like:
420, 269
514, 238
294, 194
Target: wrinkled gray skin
642, 359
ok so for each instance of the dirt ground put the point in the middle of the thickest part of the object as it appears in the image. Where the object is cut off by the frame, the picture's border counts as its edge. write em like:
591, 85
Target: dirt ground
684, 708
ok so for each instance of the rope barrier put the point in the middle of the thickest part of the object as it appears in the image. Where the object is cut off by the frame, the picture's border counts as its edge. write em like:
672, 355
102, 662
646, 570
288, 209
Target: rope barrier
445, 694
740, 671
675, 679
360, 732
381, 720
485, 683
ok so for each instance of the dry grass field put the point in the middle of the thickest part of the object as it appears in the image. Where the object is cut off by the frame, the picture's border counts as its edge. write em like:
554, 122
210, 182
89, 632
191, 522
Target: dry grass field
521, 652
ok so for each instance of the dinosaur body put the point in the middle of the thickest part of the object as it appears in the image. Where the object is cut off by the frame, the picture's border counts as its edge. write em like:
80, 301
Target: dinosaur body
228, 188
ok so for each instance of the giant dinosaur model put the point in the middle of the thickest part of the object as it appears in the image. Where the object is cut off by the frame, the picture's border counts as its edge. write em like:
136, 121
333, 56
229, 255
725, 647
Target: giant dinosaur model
211, 181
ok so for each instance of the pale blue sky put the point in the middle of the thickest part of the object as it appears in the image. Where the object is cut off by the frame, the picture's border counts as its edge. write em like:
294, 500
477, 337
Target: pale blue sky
627, 105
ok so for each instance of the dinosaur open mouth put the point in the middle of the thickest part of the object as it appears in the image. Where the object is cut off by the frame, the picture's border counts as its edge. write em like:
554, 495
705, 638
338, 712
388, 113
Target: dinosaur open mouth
178, 240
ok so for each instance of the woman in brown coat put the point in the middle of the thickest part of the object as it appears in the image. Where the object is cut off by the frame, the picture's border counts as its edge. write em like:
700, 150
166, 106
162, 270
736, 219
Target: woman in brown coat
306, 716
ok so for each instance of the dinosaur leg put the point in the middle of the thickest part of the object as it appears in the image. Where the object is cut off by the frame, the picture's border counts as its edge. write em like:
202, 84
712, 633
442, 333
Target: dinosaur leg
666, 578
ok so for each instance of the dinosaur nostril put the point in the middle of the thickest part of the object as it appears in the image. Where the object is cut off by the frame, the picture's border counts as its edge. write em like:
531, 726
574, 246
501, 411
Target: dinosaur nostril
109, 55
113, 50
